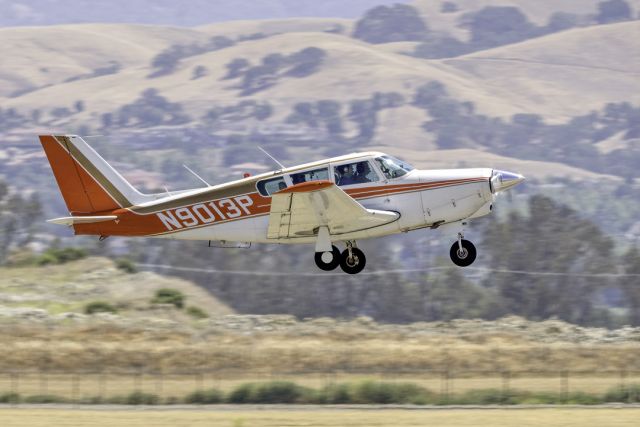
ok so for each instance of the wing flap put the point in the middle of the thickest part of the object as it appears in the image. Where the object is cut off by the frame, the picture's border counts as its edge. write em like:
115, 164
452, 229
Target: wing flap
299, 210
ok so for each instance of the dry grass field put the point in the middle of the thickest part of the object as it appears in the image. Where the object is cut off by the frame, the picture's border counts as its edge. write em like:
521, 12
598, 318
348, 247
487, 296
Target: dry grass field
321, 418
48, 347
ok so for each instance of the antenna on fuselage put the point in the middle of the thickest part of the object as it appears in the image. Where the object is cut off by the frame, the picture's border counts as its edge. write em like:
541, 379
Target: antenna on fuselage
197, 176
271, 157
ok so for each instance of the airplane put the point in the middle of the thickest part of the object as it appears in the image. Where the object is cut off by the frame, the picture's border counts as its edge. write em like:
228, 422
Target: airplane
338, 200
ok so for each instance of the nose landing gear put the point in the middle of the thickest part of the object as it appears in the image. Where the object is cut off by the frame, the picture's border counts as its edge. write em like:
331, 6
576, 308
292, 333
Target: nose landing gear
463, 252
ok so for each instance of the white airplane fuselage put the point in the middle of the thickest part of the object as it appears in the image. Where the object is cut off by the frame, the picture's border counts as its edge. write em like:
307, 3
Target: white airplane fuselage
341, 199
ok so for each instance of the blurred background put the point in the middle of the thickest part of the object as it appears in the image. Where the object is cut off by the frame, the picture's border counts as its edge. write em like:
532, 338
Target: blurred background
549, 89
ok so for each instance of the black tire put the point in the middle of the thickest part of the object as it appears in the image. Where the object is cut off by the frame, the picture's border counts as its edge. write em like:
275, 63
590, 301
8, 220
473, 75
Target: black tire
355, 264
467, 256
335, 262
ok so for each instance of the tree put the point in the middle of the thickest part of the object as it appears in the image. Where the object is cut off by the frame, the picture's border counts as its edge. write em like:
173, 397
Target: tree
306, 62
79, 106
199, 72
560, 21
551, 238
385, 24
630, 285
497, 25
236, 67
613, 11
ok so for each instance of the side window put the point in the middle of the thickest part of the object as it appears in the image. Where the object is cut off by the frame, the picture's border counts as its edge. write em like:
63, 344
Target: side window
313, 175
270, 186
355, 173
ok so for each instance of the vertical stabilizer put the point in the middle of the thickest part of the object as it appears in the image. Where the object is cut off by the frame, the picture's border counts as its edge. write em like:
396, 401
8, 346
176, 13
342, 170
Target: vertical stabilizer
87, 182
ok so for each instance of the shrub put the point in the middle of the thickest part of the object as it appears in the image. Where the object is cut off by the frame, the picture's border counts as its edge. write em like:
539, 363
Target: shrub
490, 397
99, 307
169, 296
196, 312
335, 394
126, 265
44, 398
10, 398
271, 392
627, 394
141, 398
384, 393
205, 397
61, 256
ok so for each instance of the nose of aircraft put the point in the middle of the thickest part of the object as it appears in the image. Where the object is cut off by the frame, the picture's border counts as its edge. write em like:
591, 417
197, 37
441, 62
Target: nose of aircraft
503, 180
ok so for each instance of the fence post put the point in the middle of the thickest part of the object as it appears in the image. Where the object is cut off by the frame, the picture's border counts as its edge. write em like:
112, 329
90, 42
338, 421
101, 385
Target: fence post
15, 388
564, 386
506, 378
44, 386
444, 387
160, 382
102, 385
75, 388
137, 380
199, 381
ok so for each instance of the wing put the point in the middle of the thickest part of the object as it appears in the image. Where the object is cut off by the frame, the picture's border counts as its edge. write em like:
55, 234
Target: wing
300, 209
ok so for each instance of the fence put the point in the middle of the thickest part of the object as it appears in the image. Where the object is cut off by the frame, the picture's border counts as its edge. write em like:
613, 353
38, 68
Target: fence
100, 386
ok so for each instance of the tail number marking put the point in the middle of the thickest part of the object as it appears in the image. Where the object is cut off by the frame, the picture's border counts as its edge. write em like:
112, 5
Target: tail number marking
202, 214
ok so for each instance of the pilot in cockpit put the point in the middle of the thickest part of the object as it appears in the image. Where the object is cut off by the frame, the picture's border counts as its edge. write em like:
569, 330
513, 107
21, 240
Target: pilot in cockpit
347, 176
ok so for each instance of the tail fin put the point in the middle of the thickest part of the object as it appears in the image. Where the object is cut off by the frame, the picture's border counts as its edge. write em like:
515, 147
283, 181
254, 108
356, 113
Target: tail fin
87, 182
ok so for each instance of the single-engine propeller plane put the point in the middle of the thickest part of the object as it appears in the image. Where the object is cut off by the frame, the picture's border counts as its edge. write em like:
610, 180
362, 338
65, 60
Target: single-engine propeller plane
337, 200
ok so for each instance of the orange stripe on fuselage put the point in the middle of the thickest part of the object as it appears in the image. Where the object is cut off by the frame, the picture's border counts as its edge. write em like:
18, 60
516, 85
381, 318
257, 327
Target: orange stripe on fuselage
135, 224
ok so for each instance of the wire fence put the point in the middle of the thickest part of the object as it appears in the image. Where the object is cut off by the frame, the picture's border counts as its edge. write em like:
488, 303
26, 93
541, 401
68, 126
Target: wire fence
100, 386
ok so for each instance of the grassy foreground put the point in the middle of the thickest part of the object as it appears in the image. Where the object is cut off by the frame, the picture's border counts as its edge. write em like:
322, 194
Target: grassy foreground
322, 418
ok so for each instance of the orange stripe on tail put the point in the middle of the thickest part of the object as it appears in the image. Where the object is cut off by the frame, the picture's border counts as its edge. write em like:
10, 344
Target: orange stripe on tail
81, 192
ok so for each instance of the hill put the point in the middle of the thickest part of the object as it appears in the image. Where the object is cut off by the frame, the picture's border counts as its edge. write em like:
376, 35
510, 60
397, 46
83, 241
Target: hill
553, 76
538, 12
63, 291
563, 74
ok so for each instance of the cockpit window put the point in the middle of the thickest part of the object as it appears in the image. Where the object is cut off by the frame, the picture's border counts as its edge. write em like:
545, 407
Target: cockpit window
270, 186
313, 175
392, 167
355, 173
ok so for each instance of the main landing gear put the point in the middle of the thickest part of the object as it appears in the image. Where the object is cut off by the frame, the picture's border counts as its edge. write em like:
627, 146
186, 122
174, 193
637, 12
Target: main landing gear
351, 260
462, 252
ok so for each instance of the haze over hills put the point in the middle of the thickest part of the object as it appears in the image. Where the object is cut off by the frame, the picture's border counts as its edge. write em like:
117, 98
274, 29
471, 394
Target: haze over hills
168, 12
90, 71
551, 76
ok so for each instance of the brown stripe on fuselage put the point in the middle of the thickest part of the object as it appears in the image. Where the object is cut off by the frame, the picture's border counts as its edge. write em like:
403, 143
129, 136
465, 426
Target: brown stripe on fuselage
146, 224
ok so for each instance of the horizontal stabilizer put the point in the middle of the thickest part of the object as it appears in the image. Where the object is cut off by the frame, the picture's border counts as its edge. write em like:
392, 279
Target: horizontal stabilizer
71, 220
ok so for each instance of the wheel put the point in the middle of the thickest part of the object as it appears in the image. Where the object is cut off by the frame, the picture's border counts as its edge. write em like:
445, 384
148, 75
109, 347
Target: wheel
353, 264
332, 259
465, 257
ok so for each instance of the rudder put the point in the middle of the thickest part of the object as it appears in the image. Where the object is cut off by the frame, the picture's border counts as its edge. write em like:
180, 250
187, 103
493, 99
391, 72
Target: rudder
87, 183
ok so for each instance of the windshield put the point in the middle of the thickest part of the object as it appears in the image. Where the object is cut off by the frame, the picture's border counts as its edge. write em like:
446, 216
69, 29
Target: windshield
392, 167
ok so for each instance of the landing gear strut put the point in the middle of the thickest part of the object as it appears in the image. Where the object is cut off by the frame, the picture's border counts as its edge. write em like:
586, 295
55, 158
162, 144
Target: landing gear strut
462, 252
352, 260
